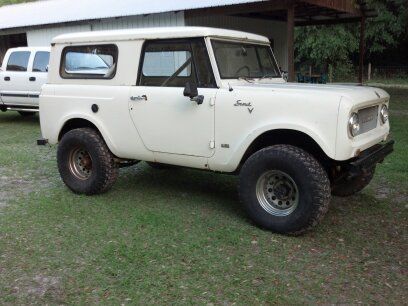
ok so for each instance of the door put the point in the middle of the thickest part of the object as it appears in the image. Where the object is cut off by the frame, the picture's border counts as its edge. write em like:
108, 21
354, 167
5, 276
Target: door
166, 120
38, 76
15, 83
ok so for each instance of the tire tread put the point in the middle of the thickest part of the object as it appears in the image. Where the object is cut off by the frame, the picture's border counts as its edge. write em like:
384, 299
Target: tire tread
318, 179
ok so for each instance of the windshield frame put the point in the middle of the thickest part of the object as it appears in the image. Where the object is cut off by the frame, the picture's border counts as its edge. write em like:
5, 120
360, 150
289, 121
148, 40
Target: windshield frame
243, 42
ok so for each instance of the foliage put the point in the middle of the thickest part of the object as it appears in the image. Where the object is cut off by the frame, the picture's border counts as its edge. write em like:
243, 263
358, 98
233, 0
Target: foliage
7, 2
387, 28
325, 47
333, 46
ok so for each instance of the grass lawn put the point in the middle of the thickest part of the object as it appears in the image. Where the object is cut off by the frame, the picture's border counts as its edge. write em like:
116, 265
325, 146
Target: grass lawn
181, 236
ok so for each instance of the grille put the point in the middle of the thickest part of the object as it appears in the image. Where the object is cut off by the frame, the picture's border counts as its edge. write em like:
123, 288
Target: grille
368, 118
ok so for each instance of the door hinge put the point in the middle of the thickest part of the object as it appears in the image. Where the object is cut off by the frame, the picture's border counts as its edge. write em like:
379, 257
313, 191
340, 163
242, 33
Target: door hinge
212, 144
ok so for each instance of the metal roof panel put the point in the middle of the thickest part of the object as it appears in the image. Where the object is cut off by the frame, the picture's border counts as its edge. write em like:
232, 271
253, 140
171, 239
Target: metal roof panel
60, 11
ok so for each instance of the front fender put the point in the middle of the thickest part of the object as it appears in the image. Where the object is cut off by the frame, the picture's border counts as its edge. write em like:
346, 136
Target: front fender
325, 141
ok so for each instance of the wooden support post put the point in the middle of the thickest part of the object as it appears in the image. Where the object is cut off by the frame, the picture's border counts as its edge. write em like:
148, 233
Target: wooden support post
290, 32
369, 72
362, 50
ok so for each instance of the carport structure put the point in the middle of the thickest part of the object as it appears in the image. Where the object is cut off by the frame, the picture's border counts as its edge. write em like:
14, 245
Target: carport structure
35, 23
300, 13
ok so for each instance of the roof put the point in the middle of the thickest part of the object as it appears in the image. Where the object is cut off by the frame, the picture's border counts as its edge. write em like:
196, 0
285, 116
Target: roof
30, 49
60, 11
155, 33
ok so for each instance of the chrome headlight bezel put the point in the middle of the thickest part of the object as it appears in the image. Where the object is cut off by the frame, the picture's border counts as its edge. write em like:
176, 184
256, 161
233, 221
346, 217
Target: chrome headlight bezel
384, 114
354, 124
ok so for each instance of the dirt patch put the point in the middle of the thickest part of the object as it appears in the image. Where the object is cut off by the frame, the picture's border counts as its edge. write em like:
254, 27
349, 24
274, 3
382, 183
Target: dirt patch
383, 192
37, 287
12, 185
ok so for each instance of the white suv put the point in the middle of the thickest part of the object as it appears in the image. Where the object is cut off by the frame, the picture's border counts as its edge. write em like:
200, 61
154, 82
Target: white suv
210, 99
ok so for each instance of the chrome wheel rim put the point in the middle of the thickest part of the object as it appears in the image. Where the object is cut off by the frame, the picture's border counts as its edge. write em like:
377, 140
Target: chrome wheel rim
277, 193
80, 163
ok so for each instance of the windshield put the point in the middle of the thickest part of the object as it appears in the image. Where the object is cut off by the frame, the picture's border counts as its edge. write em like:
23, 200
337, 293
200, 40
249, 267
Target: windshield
242, 60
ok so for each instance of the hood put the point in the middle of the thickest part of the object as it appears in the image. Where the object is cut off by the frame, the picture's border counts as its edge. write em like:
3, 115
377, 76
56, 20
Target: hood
353, 92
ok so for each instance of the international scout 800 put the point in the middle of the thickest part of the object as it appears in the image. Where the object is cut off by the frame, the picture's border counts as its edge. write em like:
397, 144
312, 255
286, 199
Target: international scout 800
210, 99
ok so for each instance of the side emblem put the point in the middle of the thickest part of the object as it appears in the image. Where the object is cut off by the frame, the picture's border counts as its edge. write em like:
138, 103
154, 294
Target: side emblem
248, 105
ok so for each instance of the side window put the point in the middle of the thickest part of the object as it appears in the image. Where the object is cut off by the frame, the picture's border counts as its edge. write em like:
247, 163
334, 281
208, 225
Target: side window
174, 63
164, 64
41, 61
89, 62
18, 61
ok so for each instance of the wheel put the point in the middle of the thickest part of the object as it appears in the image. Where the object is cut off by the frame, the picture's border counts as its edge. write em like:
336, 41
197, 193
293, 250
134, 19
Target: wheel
348, 187
160, 166
85, 163
27, 114
284, 189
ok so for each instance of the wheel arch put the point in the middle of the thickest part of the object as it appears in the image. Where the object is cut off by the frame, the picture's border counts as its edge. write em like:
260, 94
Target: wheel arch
76, 123
290, 137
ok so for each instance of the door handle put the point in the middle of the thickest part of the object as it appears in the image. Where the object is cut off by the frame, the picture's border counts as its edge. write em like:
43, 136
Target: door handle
7, 78
32, 79
138, 98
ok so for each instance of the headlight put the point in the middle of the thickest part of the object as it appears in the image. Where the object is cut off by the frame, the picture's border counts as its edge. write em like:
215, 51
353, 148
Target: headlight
384, 114
354, 124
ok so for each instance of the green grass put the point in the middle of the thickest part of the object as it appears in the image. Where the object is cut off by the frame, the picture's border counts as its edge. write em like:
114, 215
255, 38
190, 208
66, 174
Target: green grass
389, 81
8, 2
181, 236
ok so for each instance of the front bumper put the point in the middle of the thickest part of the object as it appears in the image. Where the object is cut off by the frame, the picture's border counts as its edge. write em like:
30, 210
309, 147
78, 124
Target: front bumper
370, 157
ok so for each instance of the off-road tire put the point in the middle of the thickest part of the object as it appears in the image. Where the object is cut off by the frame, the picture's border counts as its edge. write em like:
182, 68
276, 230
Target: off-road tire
309, 176
27, 114
349, 187
104, 170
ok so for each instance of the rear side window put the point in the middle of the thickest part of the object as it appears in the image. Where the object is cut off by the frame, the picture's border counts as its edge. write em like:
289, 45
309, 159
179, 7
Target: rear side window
41, 61
89, 62
18, 61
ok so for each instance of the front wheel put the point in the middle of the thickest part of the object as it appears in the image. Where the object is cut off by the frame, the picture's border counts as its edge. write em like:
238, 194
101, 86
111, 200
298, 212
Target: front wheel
284, 189
85, 163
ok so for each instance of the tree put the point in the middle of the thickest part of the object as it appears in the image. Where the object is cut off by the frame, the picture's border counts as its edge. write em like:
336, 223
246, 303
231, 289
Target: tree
332, 47
387, 29
326, 47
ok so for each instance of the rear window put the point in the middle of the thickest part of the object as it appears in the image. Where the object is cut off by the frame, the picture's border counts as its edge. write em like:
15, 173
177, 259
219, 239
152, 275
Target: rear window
18, 61
41, 61
89, 62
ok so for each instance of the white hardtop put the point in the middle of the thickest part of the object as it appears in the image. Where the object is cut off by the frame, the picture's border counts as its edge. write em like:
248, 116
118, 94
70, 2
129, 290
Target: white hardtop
30, 49
156, 33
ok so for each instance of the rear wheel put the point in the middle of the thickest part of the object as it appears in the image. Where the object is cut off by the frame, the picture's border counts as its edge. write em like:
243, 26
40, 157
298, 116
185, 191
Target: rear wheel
85, 163
284, 189
27, 114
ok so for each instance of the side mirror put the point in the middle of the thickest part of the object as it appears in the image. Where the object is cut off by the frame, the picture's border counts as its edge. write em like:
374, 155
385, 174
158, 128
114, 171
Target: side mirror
191, 91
